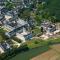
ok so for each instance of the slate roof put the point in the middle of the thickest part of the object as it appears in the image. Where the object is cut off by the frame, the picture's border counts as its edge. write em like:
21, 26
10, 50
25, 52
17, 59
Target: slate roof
4, 10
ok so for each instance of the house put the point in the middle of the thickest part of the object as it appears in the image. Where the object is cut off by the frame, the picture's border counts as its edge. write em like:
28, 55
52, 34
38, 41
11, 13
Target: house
1, 49
10, 19
14, 23
2, 2
4, 10
8, 15
20, 30
2, 18
31, 22
20, 33
47, 26
15, 26
25, 35
6, 46
16, 30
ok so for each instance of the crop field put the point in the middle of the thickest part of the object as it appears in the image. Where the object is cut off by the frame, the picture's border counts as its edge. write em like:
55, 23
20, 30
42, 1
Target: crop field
53, 54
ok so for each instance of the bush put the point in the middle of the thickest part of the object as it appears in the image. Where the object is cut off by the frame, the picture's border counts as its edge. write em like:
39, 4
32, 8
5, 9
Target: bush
36, 43
53, 41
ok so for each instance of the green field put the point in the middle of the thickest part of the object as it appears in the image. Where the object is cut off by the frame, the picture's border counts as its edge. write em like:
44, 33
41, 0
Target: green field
52, 54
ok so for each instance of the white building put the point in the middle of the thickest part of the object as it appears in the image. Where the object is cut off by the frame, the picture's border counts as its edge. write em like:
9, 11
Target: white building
1, 49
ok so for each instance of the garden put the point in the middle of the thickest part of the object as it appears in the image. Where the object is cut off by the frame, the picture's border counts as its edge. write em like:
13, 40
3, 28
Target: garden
2, 35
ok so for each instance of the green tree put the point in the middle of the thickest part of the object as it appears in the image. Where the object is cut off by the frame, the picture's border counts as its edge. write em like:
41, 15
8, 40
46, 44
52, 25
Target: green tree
9, 5
25, 14
42, 13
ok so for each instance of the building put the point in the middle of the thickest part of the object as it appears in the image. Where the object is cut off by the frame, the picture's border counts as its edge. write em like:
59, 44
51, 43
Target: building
1, 49
19, 30
15, 26
2, 18
48, 26
2, 2
22, 3
24, 35
4, 10
6, 46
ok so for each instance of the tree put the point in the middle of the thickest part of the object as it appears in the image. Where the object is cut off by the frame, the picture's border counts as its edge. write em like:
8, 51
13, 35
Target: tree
9, 5
24, 14
42, 13
39, 14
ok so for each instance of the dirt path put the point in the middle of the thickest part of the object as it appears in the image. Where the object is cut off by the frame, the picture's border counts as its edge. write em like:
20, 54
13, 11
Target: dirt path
53, 54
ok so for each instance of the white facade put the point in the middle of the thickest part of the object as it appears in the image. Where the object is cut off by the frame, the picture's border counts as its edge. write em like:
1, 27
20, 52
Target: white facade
21, 35
1, 50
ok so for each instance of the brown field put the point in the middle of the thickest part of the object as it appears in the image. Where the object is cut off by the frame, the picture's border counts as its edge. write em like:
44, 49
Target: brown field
53, 54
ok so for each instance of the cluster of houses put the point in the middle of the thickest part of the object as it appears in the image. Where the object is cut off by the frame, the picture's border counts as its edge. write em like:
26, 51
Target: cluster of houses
21, 3
50, 30
10, 21
48, 26
14, 26
17, 27
4, 47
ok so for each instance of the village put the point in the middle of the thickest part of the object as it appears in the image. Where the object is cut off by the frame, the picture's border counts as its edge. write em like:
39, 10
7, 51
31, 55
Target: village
15, 31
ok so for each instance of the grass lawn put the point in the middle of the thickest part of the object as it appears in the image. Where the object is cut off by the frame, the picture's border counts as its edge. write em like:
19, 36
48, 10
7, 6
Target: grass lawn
36, 43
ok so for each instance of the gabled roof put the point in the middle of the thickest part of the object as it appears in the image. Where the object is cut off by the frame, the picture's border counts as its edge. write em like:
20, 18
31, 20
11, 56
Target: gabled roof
4, 10
5, 45
1, 17
1, 49
3, 0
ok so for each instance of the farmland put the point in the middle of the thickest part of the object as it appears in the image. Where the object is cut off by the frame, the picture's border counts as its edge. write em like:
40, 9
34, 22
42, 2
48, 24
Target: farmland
52, 54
